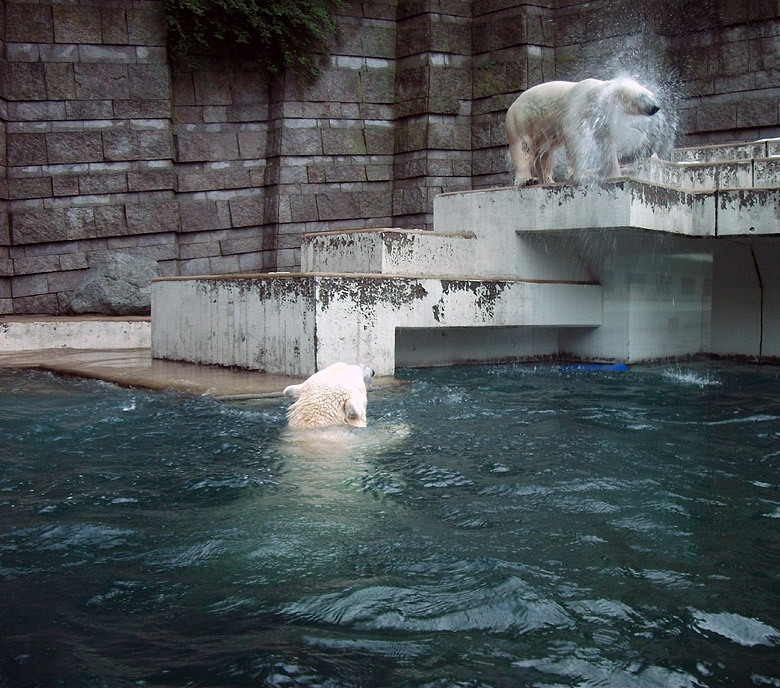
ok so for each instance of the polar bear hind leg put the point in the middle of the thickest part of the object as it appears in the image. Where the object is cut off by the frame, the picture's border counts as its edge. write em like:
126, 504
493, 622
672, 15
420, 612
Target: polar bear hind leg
534, 130
610, 166
522, 160
533, 164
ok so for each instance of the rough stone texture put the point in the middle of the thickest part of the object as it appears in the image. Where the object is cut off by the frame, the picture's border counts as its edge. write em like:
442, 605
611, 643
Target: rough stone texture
117, 284
106, 145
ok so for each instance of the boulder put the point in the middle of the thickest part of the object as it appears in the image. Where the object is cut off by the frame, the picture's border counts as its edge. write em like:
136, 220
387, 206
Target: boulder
117, 284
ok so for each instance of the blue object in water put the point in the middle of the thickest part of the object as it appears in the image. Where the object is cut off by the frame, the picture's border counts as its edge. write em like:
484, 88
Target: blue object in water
598, 367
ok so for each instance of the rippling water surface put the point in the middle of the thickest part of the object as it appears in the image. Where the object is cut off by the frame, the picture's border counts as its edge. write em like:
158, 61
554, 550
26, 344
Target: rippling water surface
495, 526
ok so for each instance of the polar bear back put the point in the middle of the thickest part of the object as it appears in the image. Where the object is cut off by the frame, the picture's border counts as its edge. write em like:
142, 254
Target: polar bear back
539, 112
335, 395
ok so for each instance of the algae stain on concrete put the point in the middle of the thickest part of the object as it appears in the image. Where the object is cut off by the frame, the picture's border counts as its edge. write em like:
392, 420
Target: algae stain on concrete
486, 294
366, 295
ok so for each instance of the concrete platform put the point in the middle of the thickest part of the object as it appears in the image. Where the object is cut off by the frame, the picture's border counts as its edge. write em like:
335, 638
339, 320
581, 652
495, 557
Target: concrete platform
118, 350
630, 269
25, 332
395, 252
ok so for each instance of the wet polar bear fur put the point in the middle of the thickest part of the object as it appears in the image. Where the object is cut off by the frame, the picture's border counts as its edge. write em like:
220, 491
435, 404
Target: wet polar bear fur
582, 117
335, 395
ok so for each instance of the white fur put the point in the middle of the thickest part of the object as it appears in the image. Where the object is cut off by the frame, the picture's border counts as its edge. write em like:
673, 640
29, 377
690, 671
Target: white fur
335, 395
582, 117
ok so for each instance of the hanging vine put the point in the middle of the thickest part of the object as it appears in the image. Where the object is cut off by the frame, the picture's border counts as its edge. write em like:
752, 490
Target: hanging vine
277, 34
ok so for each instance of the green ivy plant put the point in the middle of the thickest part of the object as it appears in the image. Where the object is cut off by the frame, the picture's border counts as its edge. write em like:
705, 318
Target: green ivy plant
278, 34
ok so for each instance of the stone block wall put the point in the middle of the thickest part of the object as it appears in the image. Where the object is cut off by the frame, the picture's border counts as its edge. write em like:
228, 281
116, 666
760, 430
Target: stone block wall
106, 145
330, 144
89, 169
219, 131
718, 59
432, 108
513, 47
734, 84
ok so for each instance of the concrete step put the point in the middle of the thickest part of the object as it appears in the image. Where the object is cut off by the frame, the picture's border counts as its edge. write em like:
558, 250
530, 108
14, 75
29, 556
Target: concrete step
760, 173
389, 251
615, 204
766, 148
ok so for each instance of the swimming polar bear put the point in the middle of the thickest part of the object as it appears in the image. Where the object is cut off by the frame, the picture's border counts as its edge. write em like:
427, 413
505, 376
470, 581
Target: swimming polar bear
328, 419
335, 395
581, 116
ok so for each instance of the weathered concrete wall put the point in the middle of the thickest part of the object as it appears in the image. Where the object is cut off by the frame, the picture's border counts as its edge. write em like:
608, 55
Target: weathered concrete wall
107, 146
298, 324
258, 323
422, 348
746, 298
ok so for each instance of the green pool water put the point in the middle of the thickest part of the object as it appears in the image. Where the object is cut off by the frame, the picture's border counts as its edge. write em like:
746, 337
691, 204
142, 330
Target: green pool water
494, 526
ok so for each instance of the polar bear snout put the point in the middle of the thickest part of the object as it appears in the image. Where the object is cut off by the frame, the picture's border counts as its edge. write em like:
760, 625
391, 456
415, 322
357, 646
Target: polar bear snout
647, 105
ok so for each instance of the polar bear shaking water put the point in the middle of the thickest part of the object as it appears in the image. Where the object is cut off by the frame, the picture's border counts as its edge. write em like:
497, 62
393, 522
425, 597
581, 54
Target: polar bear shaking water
581, 116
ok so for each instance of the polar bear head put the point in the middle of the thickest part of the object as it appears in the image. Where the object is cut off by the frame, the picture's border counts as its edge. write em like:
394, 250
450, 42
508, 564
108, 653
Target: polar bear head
637, 133
335, 395
630, 96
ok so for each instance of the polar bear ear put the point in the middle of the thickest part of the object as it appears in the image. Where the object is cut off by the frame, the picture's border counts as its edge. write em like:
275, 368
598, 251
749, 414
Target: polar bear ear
368, 376
292, 390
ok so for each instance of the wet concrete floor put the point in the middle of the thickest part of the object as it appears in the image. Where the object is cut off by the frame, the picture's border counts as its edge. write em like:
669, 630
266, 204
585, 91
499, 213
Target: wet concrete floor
137, 368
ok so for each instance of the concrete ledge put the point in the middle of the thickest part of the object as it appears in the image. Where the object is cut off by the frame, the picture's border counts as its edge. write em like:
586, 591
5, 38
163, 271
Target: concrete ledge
696, 176
703, 176
748, 212
726, 151
296, 324
25, 333
615, 203
136, 368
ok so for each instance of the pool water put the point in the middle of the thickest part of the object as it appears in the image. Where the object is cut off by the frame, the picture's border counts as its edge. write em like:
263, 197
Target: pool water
533, 526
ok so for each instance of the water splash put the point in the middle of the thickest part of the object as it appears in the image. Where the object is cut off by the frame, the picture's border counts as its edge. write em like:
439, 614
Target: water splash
636, 136
692, 378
